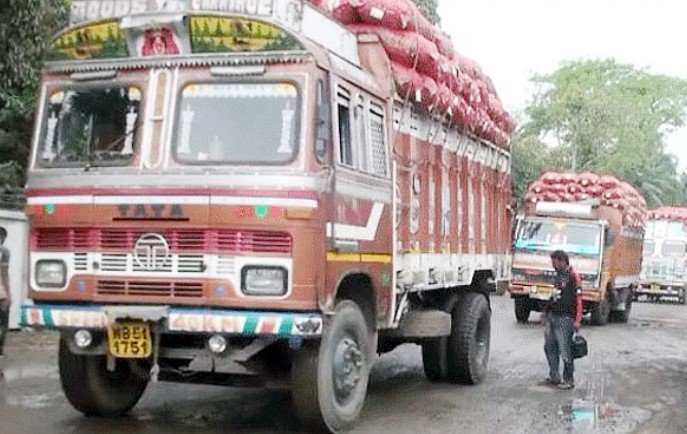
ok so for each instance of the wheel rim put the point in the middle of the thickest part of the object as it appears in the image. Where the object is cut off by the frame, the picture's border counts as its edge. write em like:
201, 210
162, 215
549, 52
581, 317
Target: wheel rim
348, 369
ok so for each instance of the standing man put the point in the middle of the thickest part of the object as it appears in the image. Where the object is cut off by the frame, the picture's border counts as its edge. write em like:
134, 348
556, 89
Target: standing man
5, 295
562, 317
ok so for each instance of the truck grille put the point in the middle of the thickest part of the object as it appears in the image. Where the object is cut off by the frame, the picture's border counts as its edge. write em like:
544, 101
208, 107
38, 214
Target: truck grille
149, 289
183, 240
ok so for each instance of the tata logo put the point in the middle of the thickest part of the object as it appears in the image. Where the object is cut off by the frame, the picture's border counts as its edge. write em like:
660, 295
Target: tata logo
151, 252
151, 212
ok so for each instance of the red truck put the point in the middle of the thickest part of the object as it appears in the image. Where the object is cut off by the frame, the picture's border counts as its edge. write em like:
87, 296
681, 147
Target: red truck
240, 193
599, 222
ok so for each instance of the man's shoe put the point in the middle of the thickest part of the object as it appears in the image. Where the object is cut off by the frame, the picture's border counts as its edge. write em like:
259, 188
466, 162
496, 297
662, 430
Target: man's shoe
566, 386
549, 382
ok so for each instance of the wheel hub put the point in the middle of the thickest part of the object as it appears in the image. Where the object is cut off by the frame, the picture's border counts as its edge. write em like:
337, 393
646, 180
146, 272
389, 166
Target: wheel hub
348, 367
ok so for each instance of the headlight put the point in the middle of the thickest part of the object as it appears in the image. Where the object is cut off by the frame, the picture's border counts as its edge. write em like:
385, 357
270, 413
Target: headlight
264, 280
51, 274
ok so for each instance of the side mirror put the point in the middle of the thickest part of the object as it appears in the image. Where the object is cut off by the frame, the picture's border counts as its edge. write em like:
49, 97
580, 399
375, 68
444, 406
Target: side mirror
608, 237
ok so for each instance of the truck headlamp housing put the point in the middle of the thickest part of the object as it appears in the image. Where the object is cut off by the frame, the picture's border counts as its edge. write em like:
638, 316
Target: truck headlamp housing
264, 281
51, 273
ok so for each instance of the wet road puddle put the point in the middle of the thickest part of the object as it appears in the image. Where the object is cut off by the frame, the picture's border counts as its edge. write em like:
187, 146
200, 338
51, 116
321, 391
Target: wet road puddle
588, 416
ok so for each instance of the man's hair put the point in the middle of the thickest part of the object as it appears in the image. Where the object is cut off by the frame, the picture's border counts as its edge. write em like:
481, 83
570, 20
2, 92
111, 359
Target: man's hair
3, 234
561, 256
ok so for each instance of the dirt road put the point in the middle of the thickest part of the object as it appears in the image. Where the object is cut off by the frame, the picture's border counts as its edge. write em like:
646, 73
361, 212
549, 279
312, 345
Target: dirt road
634, 380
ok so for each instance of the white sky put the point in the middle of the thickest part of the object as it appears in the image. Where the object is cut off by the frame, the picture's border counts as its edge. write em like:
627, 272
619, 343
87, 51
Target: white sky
514, 39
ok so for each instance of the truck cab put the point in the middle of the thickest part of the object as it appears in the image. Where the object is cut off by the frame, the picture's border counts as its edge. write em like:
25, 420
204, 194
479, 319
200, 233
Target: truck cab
663, 261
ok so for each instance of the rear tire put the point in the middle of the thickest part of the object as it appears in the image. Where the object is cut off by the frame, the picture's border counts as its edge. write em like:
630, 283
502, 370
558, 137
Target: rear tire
601, 312
522, 309
92, 389
468, 344
329, 380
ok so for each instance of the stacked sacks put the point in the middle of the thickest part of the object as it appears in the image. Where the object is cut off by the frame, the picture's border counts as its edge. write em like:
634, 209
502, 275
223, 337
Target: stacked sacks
669, 213
427, 70
577, 187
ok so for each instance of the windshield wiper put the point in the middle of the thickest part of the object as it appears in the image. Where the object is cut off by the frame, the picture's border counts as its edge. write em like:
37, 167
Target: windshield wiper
529, 245
108, 148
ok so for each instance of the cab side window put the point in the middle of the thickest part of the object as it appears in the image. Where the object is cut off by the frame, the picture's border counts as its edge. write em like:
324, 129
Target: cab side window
378, 141
346, 155
362, 133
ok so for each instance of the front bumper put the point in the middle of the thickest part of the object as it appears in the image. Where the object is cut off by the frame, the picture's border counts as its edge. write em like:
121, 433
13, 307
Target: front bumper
668, 289
543, 292
178, 320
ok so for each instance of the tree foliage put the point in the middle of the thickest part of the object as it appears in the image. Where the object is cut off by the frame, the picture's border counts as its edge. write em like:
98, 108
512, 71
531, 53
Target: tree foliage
609, 118
429, 8
531, 157
26, 28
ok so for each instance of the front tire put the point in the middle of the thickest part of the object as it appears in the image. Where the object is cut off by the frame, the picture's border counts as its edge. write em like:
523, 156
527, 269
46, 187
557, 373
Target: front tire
92, 389
522, 309
468, 344
623, 316
329, 380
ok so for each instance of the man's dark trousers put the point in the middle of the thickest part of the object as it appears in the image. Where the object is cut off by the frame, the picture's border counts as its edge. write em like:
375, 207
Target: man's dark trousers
558, 335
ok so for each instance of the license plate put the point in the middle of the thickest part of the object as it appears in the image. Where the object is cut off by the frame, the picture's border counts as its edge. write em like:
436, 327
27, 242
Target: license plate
540, 292
129, 340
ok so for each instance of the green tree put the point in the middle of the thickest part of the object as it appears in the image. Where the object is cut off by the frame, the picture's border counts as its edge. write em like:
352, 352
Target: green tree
610, 118
429, 8
531, 157
21, 54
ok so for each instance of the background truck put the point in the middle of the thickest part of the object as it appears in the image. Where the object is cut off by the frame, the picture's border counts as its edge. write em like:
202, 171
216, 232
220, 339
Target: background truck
665, 255
253, 194
599, 222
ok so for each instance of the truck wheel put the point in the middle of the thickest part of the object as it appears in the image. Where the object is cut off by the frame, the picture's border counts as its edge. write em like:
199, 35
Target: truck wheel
522, 309
622, 316
92, 389
434, 362
468, 345
329, 380
601, 312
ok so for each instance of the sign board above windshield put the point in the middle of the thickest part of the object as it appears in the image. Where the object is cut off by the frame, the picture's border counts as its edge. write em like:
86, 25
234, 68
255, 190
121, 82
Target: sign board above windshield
566, 209
286, 12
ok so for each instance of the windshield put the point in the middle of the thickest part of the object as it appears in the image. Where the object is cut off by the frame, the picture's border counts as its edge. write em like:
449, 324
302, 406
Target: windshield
649, 247
90, 126
673, 248
235, 123
550, 235
676, 230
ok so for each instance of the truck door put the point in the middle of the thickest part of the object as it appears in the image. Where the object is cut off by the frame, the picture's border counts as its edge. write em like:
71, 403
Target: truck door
360, 216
